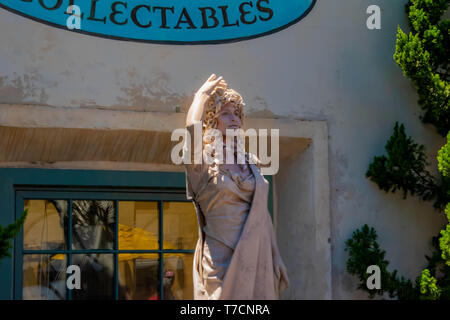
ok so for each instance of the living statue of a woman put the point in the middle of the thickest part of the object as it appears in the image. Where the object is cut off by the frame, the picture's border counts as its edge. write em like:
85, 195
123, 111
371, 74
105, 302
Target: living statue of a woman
236, 256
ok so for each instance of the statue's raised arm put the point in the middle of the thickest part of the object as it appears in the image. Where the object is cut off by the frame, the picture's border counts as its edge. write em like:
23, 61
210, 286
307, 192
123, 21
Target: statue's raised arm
201, 96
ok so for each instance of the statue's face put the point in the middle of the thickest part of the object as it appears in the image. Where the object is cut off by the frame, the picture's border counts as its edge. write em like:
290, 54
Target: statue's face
228, 118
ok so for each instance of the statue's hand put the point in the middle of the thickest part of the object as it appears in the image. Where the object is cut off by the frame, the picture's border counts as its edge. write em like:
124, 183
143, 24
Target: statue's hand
284, 276
281, 273
279, 266
208, 87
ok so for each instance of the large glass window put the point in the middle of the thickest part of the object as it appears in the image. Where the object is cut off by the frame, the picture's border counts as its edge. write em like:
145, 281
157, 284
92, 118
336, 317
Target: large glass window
126, 245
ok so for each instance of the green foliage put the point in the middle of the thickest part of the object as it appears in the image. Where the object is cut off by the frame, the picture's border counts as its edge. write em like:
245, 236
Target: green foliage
439, 269
444, 168
428, 287
9, 233
444, 242
444, 158
364, 251
425, 13
423, 56
404, 169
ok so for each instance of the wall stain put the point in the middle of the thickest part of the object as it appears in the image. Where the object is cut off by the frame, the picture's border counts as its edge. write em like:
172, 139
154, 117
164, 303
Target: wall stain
29, 87
143, 94
83, 102
255, 112
265, 114
47, 45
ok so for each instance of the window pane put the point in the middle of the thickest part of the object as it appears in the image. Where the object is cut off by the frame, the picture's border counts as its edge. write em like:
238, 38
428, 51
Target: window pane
45, 224
93, 224
138, 225
97, 276
138, 276
44, 277
180, 225
178, 276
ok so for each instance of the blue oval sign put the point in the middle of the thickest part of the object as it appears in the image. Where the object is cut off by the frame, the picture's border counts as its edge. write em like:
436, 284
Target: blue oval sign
166, 21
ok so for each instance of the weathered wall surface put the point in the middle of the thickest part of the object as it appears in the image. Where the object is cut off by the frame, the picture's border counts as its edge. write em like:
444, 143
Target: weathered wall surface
327, 67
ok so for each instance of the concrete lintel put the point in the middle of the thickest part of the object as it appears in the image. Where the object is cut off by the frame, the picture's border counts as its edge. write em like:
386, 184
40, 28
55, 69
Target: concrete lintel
37, 116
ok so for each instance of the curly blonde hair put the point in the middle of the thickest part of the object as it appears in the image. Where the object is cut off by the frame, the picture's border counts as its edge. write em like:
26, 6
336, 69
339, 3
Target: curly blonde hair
217, 100
214, 104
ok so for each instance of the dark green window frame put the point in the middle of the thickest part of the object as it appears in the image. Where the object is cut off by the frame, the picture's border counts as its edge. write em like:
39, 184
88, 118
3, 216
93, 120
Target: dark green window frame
97, 194
17, 184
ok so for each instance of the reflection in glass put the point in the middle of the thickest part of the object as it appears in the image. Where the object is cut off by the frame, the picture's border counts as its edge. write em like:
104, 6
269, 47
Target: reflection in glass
178, 276
138, 225
44, 277
45, 225
97, 276
138, 276
93, 224
180, 225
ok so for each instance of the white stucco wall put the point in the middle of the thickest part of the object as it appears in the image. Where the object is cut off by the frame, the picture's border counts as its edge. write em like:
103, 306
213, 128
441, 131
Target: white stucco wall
328, 67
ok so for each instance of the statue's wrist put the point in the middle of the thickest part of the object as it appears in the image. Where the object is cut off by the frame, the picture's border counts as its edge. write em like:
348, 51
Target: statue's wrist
203, 94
